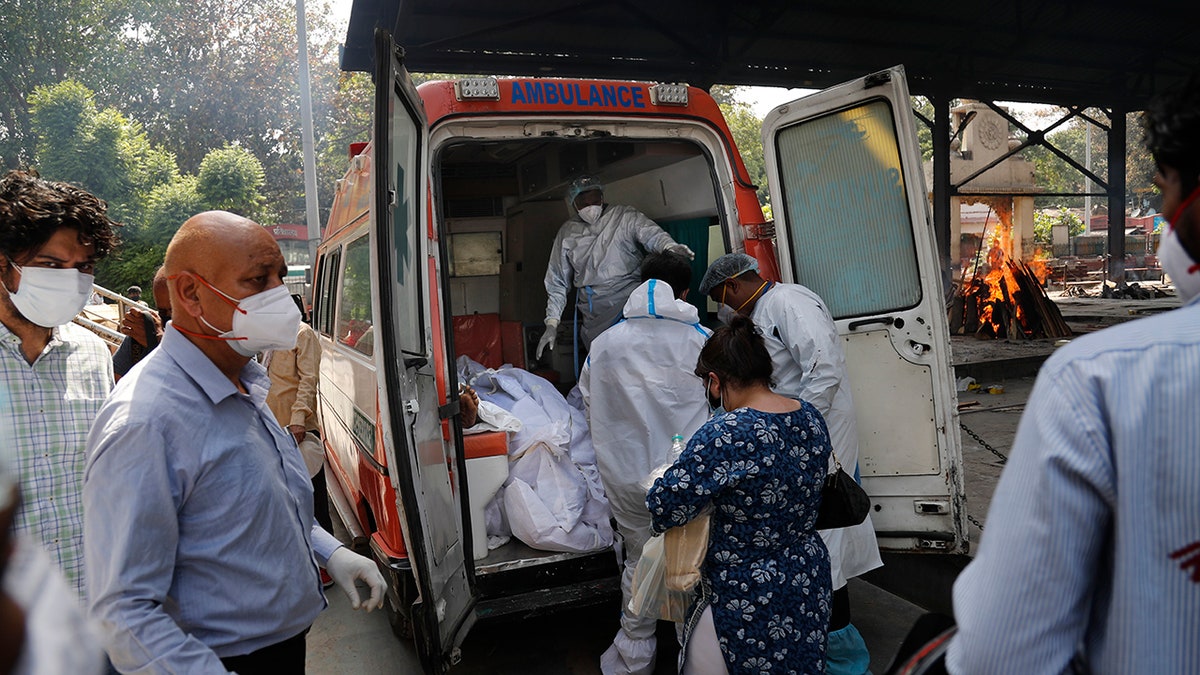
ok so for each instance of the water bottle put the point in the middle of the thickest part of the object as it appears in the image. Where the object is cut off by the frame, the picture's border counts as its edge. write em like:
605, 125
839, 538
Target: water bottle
677, 445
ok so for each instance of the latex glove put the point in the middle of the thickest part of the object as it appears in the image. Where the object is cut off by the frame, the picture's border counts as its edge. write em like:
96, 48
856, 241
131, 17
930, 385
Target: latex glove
346, 566
683, 250
548, 337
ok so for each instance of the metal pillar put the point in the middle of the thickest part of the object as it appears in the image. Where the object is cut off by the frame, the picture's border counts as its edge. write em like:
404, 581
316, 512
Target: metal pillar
1116, 198
306, 138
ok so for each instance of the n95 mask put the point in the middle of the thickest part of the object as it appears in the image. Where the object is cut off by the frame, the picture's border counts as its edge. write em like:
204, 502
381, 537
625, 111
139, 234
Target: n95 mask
590, 214
267, 320
50, 297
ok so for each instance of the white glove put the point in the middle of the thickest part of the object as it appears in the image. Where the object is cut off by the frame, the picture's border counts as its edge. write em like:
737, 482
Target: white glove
683, 250
548, 337
346, 566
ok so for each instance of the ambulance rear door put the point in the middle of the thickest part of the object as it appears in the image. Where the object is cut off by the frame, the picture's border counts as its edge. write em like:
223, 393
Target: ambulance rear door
423, 465
853, 224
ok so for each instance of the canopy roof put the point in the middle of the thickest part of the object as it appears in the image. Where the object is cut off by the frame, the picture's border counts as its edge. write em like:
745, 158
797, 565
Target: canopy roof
1107, 53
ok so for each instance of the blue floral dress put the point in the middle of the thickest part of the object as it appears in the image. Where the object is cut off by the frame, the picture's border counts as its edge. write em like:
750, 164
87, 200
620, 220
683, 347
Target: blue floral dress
766, 573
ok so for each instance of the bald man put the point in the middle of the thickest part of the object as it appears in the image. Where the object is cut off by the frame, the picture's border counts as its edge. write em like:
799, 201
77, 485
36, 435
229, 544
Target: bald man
198, 535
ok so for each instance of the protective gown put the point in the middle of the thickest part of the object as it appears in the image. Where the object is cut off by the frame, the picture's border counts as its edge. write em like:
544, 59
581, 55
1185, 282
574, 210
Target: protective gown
639, 389
603, 261
810, 365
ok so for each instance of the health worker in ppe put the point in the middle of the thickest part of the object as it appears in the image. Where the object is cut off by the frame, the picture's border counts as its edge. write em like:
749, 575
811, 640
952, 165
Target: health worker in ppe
640, 390
809, 364
599, 250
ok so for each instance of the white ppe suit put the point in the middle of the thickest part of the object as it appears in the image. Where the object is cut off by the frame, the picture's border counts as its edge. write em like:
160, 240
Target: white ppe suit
809, 364
639, 388
602, 260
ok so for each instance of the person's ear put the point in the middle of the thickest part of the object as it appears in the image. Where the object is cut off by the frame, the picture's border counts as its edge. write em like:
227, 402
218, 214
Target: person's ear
683, 296
185, 295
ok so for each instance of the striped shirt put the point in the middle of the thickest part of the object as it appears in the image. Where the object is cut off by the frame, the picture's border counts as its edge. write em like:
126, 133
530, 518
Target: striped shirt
46, 410
1093, 537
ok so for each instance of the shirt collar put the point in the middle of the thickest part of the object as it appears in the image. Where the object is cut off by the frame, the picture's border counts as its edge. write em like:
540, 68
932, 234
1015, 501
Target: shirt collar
58, 335
206, 374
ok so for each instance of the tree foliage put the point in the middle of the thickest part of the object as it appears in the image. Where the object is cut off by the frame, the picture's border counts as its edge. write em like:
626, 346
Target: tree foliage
1044, 222
43, 43
1054, 174
231, 179
100, 150
746, 128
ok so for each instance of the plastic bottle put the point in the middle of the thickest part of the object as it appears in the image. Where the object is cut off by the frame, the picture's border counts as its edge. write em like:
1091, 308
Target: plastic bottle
677, 446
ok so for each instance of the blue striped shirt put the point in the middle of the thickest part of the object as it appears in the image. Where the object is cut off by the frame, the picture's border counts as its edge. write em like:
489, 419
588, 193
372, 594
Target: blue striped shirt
199, 534
46, 410
1093, 536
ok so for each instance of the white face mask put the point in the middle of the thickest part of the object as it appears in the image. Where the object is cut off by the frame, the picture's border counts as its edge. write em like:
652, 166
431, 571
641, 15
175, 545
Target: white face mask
590, 214
1184, 272
725, 313
267, 320
50, 297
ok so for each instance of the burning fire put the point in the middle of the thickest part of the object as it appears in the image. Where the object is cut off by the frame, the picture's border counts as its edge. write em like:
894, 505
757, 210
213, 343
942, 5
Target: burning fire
1004, 297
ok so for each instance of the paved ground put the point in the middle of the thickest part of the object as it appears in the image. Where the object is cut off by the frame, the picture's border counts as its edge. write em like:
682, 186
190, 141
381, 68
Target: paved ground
342, 640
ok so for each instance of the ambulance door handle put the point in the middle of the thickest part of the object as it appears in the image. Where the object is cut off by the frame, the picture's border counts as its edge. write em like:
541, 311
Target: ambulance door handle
415, 362
885, 320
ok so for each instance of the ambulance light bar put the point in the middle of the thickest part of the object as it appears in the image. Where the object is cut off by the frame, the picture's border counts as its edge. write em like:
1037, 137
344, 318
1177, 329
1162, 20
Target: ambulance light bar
479, 88
669, 94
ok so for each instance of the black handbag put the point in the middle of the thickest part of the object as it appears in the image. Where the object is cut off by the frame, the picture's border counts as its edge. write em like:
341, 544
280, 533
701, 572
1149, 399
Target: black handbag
843, 501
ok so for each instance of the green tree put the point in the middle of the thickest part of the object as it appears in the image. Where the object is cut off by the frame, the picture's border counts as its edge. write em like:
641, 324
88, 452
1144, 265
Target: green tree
746, 128
100, 150
42, 43
1044, 222
205, 73
1054, 174
231, 179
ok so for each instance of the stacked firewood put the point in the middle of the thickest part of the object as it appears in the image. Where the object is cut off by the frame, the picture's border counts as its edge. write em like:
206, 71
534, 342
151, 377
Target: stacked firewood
1011, 305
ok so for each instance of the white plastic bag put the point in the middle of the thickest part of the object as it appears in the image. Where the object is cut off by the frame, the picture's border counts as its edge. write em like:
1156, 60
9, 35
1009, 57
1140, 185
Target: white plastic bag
313, 452
650, 597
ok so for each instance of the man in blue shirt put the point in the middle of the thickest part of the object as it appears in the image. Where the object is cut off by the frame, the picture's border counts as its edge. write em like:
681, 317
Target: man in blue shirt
198, 531
1092, 549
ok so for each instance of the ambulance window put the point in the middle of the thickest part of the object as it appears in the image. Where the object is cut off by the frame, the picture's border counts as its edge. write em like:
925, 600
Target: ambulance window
323, 308
849, 225
406, 180
355, 323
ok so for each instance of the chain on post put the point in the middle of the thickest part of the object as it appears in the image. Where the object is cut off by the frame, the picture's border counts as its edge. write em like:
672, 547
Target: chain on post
975, 521
986, 446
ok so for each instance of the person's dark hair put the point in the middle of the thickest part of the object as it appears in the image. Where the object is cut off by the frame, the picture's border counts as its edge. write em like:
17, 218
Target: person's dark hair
1172, 125
672, 268
738, 355
32, 209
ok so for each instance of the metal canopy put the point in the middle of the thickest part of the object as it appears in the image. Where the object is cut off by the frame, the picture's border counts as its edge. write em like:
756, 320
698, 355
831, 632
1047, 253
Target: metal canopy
1107, 53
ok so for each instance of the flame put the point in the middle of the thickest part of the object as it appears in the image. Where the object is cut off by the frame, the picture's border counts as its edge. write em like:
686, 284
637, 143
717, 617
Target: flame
1038, 266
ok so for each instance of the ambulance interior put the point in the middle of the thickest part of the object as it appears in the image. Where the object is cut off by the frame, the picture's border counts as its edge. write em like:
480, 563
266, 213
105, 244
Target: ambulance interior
500, 204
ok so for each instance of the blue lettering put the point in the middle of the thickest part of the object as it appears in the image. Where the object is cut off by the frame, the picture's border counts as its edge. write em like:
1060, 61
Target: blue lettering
551, 90
594, 95
638, 102
533, 92
516, 93
623, 96
610, 94
568, 94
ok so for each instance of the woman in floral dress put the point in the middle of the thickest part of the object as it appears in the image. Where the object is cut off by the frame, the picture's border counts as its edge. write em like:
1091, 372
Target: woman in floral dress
763, 601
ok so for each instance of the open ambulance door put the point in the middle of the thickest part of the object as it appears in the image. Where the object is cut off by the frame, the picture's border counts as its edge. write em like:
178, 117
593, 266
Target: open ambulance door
423, 466
853, 224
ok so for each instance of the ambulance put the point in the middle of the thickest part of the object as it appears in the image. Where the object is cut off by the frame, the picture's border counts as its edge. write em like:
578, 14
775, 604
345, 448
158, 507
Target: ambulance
437, 246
